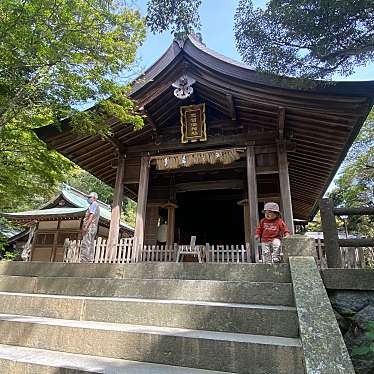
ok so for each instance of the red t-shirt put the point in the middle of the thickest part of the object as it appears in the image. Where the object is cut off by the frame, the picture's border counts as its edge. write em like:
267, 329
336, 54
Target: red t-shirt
271, 229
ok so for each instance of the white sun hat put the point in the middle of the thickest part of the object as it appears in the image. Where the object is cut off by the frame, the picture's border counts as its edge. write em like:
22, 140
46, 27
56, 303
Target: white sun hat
272, 207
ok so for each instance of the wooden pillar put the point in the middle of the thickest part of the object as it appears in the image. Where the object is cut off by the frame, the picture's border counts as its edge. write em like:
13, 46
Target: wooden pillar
330, 234
252, 198
171, 223
116, 206
247, 232
285, 190
151, 224
142, 205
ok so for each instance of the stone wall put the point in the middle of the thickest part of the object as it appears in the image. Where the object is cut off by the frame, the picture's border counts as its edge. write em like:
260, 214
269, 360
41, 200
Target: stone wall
351, 294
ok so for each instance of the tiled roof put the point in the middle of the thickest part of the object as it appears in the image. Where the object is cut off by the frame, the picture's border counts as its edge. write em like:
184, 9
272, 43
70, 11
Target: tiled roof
74, 197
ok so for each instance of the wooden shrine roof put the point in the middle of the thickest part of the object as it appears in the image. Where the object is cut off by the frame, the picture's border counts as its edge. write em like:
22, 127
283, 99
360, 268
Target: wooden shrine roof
243, 106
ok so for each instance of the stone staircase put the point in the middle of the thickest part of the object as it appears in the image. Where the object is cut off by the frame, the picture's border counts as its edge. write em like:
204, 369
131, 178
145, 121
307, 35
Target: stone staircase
148, 318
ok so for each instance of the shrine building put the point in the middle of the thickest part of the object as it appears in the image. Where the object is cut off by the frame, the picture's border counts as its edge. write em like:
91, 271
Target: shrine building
60, 218
219, 140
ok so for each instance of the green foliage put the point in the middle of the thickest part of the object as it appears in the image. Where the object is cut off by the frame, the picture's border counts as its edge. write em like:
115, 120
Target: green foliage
316, 224
129, 212
367, 348
306, 38
5, 253
10, 255
3, 242
355, 184
86, 182
27, 169
56, 55
181, 16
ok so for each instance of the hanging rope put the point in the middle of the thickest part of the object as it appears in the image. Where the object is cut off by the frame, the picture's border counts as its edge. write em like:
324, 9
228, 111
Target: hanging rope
176, 161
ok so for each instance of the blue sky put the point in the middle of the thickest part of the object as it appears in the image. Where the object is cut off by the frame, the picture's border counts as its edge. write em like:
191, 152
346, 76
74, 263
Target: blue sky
217, 19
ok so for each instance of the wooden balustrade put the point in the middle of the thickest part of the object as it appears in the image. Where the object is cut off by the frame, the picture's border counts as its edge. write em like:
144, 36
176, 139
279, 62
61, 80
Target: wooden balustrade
342, 253
125, 252
351, 257
228, 253
120, 253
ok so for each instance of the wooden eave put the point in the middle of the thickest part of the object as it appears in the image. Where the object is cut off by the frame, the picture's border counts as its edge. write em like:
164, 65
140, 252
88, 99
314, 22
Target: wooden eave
321, 122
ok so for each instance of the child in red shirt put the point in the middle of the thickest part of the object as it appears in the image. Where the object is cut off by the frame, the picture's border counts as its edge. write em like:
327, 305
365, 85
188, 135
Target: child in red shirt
270, 231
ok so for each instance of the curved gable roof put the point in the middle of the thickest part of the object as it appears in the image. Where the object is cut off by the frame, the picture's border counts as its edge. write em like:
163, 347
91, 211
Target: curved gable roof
322, 121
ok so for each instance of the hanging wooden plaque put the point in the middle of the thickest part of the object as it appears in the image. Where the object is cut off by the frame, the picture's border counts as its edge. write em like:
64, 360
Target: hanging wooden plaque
193, 125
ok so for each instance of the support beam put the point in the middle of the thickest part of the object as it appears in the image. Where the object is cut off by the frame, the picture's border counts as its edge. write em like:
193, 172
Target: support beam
116, 206
252, 198
142, 205
330, 234
168, 145
210, 185
281, 119
171, 222
117, 145
247, 232
231, 105
285, 190
150, 120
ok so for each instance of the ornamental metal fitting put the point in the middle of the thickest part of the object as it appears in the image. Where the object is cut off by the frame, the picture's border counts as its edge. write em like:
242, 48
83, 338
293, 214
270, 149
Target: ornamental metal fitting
183, 88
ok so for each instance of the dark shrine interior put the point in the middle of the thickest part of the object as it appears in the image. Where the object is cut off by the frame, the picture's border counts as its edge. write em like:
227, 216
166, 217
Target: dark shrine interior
213, 216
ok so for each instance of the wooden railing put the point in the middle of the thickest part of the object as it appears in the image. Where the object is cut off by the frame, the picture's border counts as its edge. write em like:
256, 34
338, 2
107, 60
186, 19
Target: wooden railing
121, 253
157, 253
341, 252
351, 257
124, 252
227, 253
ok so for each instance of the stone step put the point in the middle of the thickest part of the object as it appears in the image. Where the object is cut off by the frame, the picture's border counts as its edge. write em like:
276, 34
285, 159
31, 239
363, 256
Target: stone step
17, 360
203, 290
168, 346
238, 318
232, 272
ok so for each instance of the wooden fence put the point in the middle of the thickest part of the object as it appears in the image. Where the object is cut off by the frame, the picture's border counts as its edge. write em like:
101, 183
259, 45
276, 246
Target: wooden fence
124, 252
121, 253
227, 253
351, 257
341, 253
158, 253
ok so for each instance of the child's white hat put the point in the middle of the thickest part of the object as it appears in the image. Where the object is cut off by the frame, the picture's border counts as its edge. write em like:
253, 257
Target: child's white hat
272, 207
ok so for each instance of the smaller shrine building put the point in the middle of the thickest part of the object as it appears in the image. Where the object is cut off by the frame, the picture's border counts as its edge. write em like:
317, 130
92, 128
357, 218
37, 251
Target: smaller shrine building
59, 219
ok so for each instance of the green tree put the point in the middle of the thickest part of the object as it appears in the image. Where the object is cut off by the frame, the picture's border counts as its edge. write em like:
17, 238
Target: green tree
86, 182
29, 173
55, 55
355, 183
180, 16
306, 38
129, 212
301, 38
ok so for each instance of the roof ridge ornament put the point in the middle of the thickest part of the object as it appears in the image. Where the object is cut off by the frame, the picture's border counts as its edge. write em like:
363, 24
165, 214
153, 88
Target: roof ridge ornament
180, 38
183, 87
199, 37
